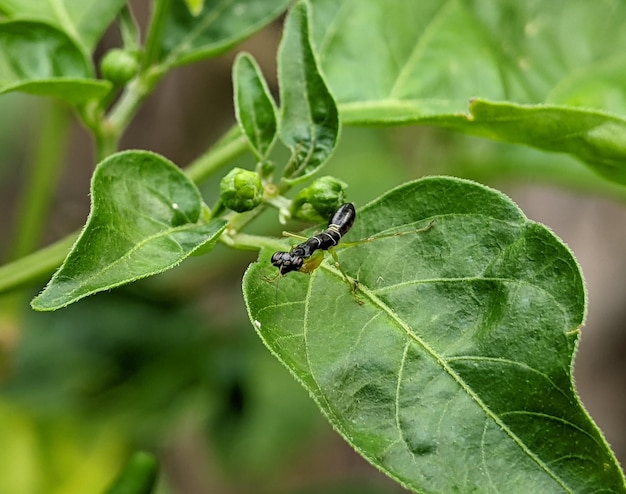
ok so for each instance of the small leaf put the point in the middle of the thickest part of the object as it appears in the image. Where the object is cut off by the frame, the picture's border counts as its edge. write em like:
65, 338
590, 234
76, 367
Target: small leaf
220, 25
145, 218
138, 477
254, 105
454, 374
83, 20
38, 59
309, 123
404, 62
195, 6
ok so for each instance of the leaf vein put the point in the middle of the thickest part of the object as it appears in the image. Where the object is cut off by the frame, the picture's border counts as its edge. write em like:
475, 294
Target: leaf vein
462, 384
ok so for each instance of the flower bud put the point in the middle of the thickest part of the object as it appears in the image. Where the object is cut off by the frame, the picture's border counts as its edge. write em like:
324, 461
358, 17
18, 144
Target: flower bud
119, 66
241, 190
319, 201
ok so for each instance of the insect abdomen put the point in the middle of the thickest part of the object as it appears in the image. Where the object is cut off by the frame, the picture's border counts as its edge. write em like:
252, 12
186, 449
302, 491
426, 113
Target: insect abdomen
339, 225
343, 219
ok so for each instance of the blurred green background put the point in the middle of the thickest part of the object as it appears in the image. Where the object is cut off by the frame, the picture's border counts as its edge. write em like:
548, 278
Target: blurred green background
171, 364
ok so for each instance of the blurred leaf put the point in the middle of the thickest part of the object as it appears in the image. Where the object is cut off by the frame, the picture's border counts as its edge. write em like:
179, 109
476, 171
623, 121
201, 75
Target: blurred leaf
407, 62
220, 25
83, 20
254, 105
253, 437
195, 6
38, 59
145, 219
309, 123
138, 477
101, 359
57, 456
454, 375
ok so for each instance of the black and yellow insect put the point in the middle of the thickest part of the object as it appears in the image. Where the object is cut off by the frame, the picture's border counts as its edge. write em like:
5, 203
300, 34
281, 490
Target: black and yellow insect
308, 255
298, 258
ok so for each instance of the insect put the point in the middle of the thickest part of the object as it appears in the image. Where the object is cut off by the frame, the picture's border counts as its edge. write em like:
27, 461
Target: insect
304, 256
296, 258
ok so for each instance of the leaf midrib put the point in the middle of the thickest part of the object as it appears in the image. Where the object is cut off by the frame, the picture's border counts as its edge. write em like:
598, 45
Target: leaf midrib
395, 318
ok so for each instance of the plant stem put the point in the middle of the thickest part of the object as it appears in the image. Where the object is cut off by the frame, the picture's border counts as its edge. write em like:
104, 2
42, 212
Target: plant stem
232, 145
111, 127
45, 166
244, 241
36, 265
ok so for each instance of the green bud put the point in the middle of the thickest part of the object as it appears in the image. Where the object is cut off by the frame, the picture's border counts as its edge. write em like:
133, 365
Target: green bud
319, 201
119, 66
241, 190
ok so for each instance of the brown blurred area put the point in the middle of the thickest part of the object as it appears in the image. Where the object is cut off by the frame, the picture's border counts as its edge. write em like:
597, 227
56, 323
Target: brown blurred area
192, 108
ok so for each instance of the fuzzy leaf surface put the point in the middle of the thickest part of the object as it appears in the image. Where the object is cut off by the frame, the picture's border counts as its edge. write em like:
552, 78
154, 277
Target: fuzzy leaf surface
217, 27
84, 20
403, 61
455, 372
37, 58
254, 106
146, 217
309, 122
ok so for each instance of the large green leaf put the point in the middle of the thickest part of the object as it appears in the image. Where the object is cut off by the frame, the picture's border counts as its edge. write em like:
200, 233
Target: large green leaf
39, 59
309, 121
454, 372
405, 61
83, 20
146, 217
217, 27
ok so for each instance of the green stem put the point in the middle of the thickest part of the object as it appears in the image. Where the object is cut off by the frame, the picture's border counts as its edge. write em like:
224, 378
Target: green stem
244, 241
222, 153
106, 141
35, 266
46, 164
111, 127
132, 98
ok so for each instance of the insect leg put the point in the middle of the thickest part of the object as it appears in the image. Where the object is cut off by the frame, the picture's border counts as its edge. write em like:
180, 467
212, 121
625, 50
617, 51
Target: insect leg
353, 284
386, 235
294, 235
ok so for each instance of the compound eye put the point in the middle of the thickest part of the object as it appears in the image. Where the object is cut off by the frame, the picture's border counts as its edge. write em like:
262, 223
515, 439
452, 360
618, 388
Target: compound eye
289, 264
279, 258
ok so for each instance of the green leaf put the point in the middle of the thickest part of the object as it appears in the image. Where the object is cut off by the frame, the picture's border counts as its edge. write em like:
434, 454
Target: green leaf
84, 20
422, 62
39, 59
220, 25
254, 105
593, 136
138, 477
309, 122
195, 6
145, 218
454, 373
